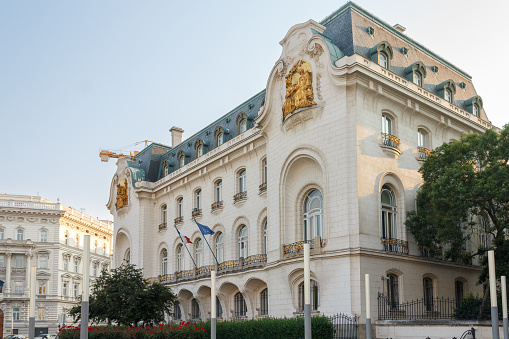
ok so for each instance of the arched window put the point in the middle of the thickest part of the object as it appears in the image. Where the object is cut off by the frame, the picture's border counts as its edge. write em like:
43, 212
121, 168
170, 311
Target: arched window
195, 309
389, 224
386, 124
164, 214
166, 168
382, 54
418, 79
392, 291
219, 191
313, 215
474, 105
199, 147
264, 171
422, 143
180, 203
220, 247
178, 311
127, 256
240, 305
383, 60
447, 90
181, 156
264, 302
243, 242
219, 309
265, 239
314, 296
476, 110
242, 181
180, 258
198, 252
416, 73
458, 291
428, 293
448, 95
164, 262
198, 199
242, 122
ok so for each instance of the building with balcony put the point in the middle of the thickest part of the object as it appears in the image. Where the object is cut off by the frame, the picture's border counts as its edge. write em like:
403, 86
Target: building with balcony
37, 232
327, 153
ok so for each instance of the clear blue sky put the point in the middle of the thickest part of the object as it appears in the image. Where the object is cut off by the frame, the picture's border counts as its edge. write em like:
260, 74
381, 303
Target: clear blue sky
79, 76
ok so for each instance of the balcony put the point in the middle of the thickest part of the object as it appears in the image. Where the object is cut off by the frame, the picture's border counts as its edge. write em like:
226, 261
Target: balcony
431, 253
390, 143
179, 220
263, 188
423, 153
239, 197
196, 213
394, 245
217, 206
297, 248
162, 227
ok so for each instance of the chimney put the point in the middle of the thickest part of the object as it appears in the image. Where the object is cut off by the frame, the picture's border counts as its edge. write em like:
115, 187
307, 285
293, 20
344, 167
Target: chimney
399, 28
176, 135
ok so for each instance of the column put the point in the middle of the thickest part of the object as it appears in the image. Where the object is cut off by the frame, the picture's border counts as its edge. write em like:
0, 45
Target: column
27, 272
8, 273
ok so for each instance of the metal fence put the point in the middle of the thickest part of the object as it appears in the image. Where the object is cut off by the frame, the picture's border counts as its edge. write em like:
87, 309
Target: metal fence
426, 308
345, 327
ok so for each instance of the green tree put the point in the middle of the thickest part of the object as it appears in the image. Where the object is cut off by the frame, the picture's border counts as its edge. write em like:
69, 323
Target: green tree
125, 297
465, 181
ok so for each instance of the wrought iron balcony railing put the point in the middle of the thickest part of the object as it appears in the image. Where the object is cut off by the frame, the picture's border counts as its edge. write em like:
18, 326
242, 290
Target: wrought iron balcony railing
390, 140
217, 205
239, 196
179, 220
298, 246
394, 245
263, 187
162, 226
196, 212
423, 153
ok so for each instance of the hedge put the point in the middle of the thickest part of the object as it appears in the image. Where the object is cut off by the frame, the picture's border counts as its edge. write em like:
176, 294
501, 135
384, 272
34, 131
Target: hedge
268, 328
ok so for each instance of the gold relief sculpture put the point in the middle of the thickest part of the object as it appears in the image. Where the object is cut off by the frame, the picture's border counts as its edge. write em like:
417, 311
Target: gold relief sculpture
122, 199
299, 89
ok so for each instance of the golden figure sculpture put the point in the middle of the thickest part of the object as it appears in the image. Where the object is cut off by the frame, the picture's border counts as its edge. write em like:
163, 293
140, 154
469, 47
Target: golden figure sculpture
122, 194
299, 88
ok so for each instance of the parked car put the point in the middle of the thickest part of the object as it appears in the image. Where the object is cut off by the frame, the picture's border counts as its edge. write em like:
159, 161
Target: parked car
46, 336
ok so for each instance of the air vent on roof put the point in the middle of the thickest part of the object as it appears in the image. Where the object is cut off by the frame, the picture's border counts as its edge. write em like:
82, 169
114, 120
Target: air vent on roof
399, 28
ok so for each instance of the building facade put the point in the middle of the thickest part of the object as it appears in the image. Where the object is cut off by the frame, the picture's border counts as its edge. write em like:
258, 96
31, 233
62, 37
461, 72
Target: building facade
327, 153
37, 232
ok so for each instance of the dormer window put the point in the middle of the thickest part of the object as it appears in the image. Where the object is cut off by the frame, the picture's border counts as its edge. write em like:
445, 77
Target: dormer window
447, 90
416, 73
219, 135
417, 79
474, 105
382, 54
166, 168
475, 110
242, 122
181, 158
199, 146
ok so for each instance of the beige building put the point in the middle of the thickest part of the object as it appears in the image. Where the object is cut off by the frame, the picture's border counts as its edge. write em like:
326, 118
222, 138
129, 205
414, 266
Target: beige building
37, 232
327, 153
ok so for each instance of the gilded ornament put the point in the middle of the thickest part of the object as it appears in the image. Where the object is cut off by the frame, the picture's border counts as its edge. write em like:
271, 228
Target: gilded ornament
122, 199
299, 89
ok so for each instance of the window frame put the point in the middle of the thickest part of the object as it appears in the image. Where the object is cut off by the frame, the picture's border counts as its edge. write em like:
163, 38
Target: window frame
241, 181
243, 241
20, 234
164, 262
312, 217
314, 295
388, 214
219, 246
198, 252
264, 302
240, 307
218, 191
180, 258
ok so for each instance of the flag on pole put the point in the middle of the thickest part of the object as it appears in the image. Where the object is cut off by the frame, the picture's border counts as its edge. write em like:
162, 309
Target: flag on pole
187, 239
180, 235
204, 229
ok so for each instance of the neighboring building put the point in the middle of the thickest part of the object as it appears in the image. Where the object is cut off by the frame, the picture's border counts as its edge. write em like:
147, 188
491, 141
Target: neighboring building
329, 153
37, 232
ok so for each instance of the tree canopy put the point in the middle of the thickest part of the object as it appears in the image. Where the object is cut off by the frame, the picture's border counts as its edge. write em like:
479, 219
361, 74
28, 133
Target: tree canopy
125, 297
466, 185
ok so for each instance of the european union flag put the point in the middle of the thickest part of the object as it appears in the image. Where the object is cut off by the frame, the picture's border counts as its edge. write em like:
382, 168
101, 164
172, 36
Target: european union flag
204, 229
2, 283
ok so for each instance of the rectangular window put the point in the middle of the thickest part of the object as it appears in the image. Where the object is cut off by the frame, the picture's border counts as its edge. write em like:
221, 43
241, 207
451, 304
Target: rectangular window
76, 265
15, 314
264, 171
18, 287
66, 263
19, 261
40, 313
43, 262
64, 289
42, 288
44, 236
95, 270
2, 260
19, 235
76, 290
2, 234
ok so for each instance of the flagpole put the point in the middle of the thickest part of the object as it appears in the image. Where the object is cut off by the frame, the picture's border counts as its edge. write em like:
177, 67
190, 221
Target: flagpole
206, 241
185, 245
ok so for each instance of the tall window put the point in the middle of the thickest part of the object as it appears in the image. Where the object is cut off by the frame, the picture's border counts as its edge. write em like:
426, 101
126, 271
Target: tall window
66, 262
198, 252
182, 160
164, 262
64, 288
178, 311
386, 124
264, 302
15, 314
448, 95
219, 191
44, 236
198, 199
220, 138
95, 269
382, 60
421, 138
180, 258
242, 125
2, 260
18, 287
393, 291
389, 226
314, 296
475, 110
180, 203
242, 181
195, 309
265, 239
243, 242
220, 247
19, 235
41, 313
19, 261
66, 238
418, 79
76, 290
199, 151
428, 293
43, 261
42, 288
76, 265
240, 305
166, 169
219, 309
313, 215
458, 289
264, 171
164, 214
2, 234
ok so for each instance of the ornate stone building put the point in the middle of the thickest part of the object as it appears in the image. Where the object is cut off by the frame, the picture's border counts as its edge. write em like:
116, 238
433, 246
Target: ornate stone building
327, 153
37, 232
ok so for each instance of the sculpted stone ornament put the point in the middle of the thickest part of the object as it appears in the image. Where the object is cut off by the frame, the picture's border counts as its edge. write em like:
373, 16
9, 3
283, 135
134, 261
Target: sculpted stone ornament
122, 199
299, 89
